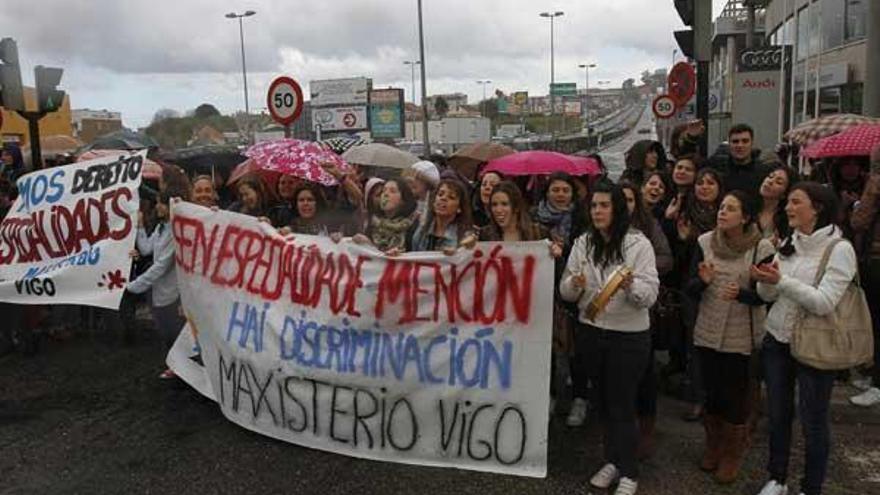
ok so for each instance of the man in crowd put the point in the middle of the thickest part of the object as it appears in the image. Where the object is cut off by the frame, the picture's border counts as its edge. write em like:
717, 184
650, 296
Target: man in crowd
740, 166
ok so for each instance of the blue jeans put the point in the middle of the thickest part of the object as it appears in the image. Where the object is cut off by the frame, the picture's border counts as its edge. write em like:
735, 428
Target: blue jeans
781, 371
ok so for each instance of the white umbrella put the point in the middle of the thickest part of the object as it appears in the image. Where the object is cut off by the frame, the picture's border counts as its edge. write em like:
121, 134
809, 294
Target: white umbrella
379, 155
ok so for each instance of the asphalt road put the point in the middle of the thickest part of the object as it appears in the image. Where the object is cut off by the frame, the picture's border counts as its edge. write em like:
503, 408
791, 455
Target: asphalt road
89, 416
613, 155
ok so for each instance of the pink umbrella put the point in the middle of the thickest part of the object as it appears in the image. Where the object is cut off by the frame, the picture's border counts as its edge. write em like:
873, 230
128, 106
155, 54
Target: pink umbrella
303, 159
150, 170
857, 141
543, 163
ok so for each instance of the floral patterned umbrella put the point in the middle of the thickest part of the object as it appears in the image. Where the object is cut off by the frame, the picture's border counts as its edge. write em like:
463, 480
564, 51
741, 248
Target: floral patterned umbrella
858, 141
303, 159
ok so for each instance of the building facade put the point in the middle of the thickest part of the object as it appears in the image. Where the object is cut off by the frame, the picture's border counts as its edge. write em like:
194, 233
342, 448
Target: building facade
14, 128
89, 124
828, 38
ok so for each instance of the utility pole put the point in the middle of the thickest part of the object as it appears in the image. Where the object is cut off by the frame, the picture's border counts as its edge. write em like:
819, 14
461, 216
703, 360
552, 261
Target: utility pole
233, 15
412, 64
424, 84
703, 56
871, 88
552, 16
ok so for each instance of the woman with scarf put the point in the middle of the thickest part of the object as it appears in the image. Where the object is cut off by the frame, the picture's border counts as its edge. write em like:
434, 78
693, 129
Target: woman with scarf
447, 224
389, 227
695, 216
729, 328
561, 214
618, 337
310, 209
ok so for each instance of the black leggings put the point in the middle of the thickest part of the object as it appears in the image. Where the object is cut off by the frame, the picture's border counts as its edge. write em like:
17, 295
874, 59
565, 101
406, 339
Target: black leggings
726, 382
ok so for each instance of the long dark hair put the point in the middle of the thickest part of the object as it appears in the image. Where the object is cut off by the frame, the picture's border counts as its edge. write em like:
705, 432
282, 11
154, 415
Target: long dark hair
780, 219
407, 198
464, 220
524, 224
610, 251
824, 201
259, 187
640, 218
317, 193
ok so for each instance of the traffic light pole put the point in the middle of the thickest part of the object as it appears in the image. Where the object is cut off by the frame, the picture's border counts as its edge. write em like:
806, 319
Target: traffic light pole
33, 119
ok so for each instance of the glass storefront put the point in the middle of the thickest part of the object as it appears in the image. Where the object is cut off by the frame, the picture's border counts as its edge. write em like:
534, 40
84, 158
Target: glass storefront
836, 23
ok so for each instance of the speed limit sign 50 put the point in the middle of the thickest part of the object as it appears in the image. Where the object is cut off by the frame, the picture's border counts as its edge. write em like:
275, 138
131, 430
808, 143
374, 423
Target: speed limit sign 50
664, 107
285, 100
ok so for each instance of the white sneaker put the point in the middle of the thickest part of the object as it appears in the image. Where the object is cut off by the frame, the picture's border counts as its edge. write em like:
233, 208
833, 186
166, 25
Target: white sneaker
605, 476
867, 398
578, 413
862, 383
626, 487
774, 488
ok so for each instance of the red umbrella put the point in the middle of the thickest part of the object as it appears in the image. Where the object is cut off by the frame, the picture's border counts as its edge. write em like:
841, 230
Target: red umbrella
543, 163
303, 159
857, 141
249, 167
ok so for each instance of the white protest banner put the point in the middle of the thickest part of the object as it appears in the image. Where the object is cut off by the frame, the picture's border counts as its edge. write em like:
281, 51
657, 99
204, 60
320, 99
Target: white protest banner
67, 236
421, 359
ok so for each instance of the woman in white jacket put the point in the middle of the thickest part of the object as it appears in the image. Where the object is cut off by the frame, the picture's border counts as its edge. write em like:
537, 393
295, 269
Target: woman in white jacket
619, 335
788, 281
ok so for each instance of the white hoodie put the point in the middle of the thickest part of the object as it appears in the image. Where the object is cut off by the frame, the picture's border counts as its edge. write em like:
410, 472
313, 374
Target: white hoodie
795, 292
627, 311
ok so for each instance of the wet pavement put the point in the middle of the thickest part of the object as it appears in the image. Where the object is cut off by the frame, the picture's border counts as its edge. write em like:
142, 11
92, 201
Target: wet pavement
90, 416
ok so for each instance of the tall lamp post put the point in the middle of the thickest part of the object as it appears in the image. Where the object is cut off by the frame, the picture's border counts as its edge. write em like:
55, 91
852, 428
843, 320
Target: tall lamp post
587, 68
412, 64
424, 83
233, 15
483, 83
552, 16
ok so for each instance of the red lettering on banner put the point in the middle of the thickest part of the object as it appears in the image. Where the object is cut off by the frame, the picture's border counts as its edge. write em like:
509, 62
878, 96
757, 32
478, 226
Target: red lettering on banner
60, 231
488, 289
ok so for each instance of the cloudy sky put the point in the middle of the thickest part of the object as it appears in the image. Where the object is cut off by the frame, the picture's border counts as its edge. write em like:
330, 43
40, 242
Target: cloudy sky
136, 56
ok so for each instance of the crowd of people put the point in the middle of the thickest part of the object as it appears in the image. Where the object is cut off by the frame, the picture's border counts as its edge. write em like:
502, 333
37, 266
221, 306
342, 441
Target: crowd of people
716, 257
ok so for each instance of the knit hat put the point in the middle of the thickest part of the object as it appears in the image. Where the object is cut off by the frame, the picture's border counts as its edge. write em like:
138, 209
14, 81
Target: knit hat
368, 188
427, 172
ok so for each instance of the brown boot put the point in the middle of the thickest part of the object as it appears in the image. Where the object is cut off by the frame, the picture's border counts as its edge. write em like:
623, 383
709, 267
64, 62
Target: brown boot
733, 450
712, 424
646, 438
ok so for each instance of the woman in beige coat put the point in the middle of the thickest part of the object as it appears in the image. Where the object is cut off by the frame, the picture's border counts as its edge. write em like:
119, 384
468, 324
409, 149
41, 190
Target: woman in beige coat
728, 329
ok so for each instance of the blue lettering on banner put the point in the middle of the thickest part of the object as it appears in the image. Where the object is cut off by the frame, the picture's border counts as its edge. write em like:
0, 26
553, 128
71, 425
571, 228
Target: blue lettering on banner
37, 189
248, 325
442, 360
90, 257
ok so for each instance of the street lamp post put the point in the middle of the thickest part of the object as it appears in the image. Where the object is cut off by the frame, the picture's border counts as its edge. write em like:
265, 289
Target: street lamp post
233, 15
412, 64
483, 83
552, 16
427, 140
587, 68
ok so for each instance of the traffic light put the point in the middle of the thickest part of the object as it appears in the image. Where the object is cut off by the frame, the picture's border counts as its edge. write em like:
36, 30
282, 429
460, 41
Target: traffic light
11, 95
49, 97
695, 43
685, 37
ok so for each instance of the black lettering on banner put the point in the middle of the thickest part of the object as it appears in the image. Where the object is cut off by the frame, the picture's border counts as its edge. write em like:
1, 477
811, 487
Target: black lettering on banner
289, 424
360, 418
36, 287
334, 411
414, 425
498, 427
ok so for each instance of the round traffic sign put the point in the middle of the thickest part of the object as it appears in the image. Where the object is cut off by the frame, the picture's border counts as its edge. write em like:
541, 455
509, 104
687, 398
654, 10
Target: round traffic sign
285, 100
682, 83
663, 106
349, 120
